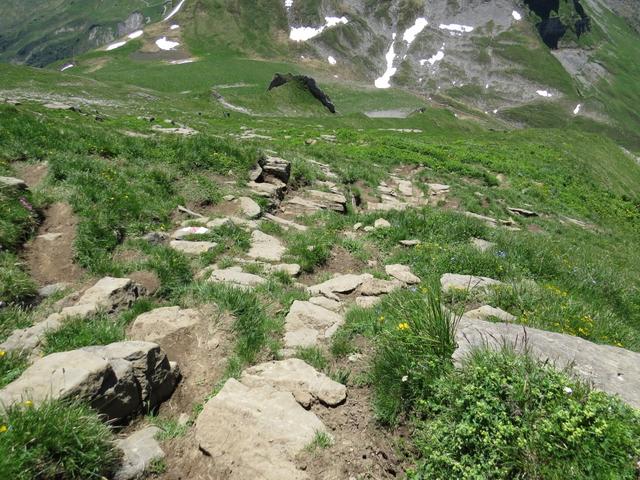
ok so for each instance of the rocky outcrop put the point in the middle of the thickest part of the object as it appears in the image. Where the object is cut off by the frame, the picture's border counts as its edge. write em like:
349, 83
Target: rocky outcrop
265, 247
118, 380
453, 281
108, 295
339, 284
610, 369
305, 82
255, 427
158, 324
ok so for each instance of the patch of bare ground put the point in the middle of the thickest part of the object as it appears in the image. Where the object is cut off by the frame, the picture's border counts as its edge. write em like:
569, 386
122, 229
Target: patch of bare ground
340, 262
50, 255
31, 173
202, 355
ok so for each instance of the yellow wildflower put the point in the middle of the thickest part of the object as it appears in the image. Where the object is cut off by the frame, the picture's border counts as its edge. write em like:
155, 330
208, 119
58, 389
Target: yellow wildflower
403, 326
3, 428
381, 318
28, 403
2, 353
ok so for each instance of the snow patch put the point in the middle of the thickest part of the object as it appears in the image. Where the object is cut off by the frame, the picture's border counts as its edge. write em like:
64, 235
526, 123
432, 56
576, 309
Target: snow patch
67, 67
136, 34
516, 15
332, 60
174, 11
454, 27
576, 110
385, 80
288, 3
544, 93
302, 34
164, 44
412, 32
113, 46
433, 59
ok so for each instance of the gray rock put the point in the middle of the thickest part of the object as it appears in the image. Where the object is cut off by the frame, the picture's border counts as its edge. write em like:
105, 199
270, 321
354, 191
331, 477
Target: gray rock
486, 312
490, 222
237, 277
482, 245
307, 324
192, 248
265, 247
438, 189
14, 183
267, 189
410, 243
241, 421
294, 375
376, 287
140, 450
329, 201
275, 167
249, 208
198, 221
381, 223
156, 325
610, 369
30, 338
327, 303
50, 290
339, 284
58, 106
453, 281
155, 238
286, 224
522, 212
402, 273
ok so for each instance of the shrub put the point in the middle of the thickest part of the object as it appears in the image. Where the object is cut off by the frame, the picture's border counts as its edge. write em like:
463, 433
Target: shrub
506, 416
412, 350
56, 440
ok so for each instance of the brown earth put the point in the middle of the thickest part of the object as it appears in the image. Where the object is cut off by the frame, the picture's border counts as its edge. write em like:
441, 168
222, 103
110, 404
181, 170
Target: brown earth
50, 255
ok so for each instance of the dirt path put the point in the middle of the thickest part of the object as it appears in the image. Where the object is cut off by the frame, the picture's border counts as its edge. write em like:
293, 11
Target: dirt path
50, 254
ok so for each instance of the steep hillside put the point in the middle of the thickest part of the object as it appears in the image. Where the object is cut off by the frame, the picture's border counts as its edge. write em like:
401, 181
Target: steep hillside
40, 32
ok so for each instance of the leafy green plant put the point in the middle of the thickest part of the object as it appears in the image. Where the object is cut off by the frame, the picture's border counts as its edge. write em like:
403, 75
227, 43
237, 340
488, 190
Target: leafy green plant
413, 348
55, 440
11, 366
505, 416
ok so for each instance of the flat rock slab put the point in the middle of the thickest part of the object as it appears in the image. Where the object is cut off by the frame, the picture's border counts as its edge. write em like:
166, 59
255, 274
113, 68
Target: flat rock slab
296, 376
367, 302
249, 208
158, 324
611, 369
339, 284
117, 380
11, 182
236, 276
265, 247
486, 312
307, 324
402, 273
192, 248
327, 303
255, 433
453, 281
377, 287
140, 450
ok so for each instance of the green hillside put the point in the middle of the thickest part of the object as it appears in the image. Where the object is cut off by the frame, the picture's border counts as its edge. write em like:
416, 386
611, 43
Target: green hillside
203, 278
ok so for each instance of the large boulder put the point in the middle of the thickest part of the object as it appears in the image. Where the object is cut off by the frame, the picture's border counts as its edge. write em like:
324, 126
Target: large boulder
274, 168
249, 208
610, 369
118, 380
255, 432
